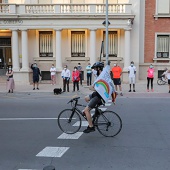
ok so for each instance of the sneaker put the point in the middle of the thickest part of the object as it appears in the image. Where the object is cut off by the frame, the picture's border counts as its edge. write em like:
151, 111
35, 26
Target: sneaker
33, 88
121, 94
152, 90
169, 91
129, 90
37, 88
147, 90
134, 91
89, 129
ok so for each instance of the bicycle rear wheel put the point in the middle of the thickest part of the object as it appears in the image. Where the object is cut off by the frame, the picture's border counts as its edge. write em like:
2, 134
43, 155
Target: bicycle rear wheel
69, 122
109, 123
160, 82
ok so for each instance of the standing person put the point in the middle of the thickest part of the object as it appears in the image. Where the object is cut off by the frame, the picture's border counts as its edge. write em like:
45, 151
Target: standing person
10, 80
150, 77
65, 74
53, 74
36, 74
75, 78
132, 75
168, 77
79, 68
89, 74
94, 71
117, 72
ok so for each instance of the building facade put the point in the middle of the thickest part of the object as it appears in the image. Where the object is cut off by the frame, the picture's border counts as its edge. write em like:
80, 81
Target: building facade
69, 32
157, 36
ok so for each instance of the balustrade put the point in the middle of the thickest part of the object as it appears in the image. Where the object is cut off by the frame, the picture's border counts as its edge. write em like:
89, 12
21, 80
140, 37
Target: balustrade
63, 8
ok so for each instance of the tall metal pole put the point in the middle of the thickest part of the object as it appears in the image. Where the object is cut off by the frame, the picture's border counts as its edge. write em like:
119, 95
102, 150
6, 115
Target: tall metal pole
107, 42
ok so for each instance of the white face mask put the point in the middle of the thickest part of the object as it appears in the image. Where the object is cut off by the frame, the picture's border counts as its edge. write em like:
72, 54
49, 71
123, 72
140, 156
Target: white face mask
10, 69
52, 66
114, 64
131, 65
75, 69
64, 68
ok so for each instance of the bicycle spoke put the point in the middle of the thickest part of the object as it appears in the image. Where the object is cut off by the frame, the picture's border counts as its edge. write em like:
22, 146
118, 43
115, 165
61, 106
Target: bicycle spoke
109, 124
69, 122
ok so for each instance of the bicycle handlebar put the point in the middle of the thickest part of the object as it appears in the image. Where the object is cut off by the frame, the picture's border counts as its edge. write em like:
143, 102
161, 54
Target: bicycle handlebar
74, 99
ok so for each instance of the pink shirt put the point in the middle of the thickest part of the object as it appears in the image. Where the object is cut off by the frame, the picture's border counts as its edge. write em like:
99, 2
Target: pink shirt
150, 73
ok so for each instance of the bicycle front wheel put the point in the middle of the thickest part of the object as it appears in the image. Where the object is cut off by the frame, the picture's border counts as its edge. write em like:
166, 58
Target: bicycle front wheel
109, 123
69, 121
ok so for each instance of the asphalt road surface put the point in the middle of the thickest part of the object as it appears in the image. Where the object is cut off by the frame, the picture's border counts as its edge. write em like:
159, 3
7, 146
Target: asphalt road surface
30, 138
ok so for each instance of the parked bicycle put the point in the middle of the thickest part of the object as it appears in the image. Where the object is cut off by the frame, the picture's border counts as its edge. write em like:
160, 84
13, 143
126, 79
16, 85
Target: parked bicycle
108, 123
162, 81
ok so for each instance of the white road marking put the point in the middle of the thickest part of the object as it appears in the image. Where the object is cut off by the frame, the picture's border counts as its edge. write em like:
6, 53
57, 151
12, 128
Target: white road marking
70, 136
83, 123
33, 118
108, 104
28, 169
52, 151
103, 109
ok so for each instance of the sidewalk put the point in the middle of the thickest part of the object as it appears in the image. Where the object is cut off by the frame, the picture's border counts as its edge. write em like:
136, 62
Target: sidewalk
25, 88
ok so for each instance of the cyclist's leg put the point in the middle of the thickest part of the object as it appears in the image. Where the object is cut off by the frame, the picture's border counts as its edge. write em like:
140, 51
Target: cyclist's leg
87, 109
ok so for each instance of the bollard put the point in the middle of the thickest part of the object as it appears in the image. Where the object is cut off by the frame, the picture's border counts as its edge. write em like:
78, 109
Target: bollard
50, 167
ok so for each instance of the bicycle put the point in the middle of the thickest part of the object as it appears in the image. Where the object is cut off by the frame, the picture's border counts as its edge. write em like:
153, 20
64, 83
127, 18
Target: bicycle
162, 81
108, 123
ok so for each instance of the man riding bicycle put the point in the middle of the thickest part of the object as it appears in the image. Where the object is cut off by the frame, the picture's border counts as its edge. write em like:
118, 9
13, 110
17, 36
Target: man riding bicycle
94, 98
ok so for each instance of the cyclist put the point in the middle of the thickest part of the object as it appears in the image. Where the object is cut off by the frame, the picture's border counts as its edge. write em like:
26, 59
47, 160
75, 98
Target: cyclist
163, 76
93, 99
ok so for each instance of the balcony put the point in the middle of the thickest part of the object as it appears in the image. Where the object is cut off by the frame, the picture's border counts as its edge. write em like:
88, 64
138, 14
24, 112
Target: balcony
63, 9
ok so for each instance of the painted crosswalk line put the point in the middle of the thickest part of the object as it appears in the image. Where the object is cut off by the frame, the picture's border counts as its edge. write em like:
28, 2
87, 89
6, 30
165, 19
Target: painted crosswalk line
103, 109
83, 123
70, 136
52, 151
108, 104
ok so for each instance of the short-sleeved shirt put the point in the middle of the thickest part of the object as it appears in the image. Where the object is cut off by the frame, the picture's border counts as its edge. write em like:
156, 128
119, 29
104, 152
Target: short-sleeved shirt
88, 68
116, 72
132, 71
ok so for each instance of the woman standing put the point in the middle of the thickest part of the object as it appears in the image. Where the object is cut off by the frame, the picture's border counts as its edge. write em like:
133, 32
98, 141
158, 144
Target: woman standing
150, 77
10, 80
75, 78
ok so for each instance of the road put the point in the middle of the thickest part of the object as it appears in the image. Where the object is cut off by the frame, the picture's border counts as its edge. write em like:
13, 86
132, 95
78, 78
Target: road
30, 138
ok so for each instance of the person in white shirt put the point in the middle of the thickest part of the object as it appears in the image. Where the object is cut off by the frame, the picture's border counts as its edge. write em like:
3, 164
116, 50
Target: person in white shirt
132, 75
168, 77
53, 74
65, 74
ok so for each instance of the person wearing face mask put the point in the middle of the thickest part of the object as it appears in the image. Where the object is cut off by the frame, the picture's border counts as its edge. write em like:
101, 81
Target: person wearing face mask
10, 80
65, 74
75, 78
89, 74
132, 74
79, 68
150, 77
36, 74
53, 74
117, 72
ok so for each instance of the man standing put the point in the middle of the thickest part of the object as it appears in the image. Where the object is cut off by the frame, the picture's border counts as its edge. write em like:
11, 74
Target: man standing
65, 74
89, 74
53, 74
132, 75
79, 68
36, 74
117, 72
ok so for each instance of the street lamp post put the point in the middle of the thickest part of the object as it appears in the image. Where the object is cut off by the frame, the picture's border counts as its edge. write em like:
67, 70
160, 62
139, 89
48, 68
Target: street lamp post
107, 48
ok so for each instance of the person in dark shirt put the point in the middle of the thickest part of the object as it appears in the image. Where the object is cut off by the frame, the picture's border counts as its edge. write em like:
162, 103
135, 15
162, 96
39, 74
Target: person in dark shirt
36, 74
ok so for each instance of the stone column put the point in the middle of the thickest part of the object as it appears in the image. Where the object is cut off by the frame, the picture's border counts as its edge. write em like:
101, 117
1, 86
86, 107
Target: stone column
25, 64
93, 58
127, 50
58, 50
15, 55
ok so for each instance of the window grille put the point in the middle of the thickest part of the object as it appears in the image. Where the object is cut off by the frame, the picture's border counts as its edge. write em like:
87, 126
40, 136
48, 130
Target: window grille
163, 46
78, 44
112, 44
45, 44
